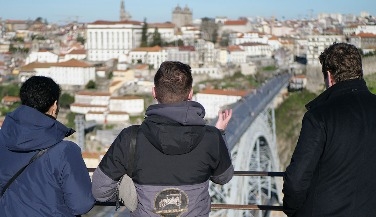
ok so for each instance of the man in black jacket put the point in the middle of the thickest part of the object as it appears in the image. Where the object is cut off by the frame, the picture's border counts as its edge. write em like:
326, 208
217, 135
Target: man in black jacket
333, 167
176, 153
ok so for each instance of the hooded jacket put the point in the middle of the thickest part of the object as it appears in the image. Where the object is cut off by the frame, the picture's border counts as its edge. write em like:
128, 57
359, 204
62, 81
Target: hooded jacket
55, 184
176, 156
332, 170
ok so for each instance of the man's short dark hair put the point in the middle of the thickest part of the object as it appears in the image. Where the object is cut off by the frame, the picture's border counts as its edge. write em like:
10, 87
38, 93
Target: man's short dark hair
173, 82
39, 92
343, 61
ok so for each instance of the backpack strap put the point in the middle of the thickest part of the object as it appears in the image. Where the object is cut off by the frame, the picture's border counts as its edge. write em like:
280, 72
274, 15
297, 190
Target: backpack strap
132, 149
37, 155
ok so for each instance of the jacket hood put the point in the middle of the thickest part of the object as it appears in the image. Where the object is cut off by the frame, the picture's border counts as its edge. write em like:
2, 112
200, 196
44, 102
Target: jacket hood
338, 89
174, 128
26, 129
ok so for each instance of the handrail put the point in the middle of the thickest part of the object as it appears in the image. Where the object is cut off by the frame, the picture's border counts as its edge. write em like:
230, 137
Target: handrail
217, 206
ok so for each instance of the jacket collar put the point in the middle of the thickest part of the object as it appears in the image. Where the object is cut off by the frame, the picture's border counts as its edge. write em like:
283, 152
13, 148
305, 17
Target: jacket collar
338, 89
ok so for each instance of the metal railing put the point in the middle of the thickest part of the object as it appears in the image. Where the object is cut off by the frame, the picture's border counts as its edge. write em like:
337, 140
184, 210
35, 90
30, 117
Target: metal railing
217, 206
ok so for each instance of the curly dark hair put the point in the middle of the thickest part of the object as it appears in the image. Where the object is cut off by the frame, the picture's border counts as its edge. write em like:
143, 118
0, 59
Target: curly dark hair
343, 61
173, 82
39, 92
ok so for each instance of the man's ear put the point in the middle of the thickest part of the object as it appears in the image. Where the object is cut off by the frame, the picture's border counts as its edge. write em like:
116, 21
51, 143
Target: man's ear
153, 93
190, 95
331, 80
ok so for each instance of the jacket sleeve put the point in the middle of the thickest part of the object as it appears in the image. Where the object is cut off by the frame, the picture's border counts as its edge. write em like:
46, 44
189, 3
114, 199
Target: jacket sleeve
304, 161
111, 168
224, 171
104, 188
75, 181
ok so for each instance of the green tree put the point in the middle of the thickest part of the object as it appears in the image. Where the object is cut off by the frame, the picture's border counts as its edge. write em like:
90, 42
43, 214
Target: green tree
65, 100
144, 34
156, 39
9, 90
91, 85
81, 39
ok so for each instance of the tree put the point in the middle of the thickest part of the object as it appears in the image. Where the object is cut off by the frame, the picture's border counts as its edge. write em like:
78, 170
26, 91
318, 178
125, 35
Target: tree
81, 39
144, 34
65, 100
91, 85
156, 39
209, 29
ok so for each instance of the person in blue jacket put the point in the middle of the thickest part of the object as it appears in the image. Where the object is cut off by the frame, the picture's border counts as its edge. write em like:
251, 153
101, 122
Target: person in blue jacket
55, 184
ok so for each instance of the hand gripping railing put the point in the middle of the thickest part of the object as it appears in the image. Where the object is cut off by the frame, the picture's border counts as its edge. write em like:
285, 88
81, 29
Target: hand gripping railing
228, 206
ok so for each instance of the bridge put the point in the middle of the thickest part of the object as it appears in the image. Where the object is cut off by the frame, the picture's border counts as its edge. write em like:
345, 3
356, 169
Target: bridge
251, 138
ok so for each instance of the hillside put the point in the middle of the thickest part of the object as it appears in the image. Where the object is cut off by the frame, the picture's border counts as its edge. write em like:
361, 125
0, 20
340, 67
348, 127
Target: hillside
288, 120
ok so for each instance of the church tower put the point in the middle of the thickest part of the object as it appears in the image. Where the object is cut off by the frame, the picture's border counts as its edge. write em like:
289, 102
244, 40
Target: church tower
124, 15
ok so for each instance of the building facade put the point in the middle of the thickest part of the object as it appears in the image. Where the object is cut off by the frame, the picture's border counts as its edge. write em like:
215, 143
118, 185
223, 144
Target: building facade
107, 40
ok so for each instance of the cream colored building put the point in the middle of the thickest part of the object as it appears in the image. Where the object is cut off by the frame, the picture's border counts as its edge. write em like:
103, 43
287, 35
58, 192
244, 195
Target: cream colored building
110, 39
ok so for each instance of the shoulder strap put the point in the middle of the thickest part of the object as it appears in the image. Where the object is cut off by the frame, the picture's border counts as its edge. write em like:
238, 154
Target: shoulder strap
40, 153
132, 149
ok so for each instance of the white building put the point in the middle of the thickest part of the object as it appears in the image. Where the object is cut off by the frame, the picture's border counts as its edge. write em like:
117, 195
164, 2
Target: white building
236, 55
237, 38
108, 39
42, 56
129, 104
211, 72
86, 108
148, 55
107, 117
317, 44
213, 100
68, 74
102, 108
235, 26
257, 49
92, 98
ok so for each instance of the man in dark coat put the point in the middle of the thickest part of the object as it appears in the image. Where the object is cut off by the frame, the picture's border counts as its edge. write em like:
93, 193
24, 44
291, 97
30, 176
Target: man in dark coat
333, 168
176, 153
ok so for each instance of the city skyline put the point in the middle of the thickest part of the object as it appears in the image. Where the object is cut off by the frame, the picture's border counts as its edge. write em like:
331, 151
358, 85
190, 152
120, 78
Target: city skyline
154, 11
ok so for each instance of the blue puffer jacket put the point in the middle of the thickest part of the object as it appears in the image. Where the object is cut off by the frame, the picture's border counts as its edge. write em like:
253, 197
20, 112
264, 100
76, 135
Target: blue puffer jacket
57, 183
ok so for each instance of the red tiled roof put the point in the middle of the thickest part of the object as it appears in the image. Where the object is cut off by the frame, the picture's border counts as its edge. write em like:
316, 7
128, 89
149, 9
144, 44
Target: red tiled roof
233, 48
235, 22
366, 35
94, 155
88, 105
105, 22
241, 93
148, 49
93, 93
161, 25
78, 51
187, 48
11, 99
125, 97
73, 63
